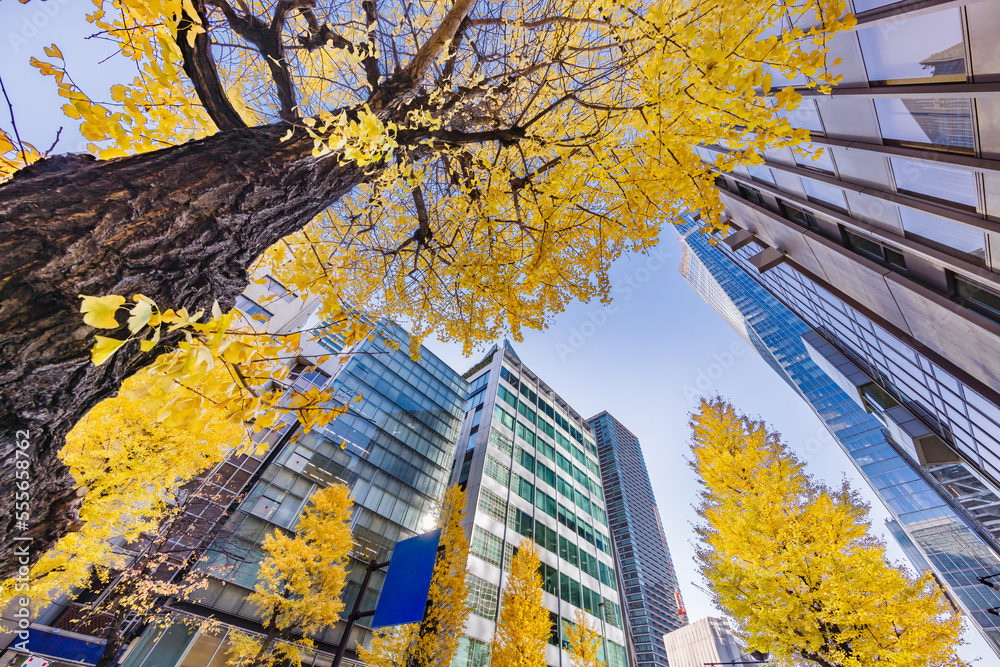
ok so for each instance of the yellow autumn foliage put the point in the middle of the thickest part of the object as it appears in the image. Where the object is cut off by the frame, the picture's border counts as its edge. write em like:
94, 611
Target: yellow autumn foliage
585, 642
131, 466
301, 579
448, 597
524, 628
391, 646
547, 140
793, 565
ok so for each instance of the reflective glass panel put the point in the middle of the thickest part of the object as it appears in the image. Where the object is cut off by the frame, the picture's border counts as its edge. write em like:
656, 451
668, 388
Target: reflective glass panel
915, 47
761, 173
926, 120
935, 180
944, 232
823, 161
824, 192
805, 116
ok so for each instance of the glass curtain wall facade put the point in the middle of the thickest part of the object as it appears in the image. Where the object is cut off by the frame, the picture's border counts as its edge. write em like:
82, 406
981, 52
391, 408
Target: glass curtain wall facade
651, 597
394, 449
945, 534
530, 468
889, 243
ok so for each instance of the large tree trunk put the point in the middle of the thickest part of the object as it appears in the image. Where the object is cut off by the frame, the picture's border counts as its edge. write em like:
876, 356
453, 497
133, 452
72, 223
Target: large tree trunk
180, 225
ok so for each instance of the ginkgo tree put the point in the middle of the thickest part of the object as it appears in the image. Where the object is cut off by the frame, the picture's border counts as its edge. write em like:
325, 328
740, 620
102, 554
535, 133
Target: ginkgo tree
469, 166
586, 645
524, 628
434, 641
300, 582
793, 564
135, 540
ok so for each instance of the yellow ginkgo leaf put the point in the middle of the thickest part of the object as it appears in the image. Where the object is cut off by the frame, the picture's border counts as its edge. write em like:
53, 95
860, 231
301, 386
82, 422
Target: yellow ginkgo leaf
104, 347
141, 314
99, 311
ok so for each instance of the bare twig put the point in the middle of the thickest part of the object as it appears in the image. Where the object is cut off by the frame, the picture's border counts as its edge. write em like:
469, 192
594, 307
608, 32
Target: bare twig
53, 146
17, 135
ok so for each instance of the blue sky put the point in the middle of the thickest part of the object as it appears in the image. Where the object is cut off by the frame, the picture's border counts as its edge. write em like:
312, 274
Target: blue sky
642, 358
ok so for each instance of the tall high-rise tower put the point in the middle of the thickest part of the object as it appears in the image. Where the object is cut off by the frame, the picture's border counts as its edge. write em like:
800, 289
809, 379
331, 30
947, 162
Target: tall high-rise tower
529, 465
922, 482
651, 596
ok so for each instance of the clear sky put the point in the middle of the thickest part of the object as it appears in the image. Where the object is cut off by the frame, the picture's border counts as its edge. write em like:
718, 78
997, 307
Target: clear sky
643, 358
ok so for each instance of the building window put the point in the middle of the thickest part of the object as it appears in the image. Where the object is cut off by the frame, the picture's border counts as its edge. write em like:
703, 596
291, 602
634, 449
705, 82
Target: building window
821, 161
279, 290
798, 216
482, 596
492, 505
825, 193
550, 578
750, 194
761, 173
918, 49
936, 182
487, 546
523, 488
252, 310
302, 376
498, 471
882, 254
944, 234
927, 122
500, 441
805, 116
976, 298
876, 399
471, 653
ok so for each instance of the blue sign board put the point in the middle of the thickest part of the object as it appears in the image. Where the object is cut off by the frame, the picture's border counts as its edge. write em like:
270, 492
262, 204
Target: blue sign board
62, 648
408, 581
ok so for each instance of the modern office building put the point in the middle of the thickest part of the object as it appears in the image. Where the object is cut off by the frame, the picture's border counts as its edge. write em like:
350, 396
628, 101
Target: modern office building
394, 449
886, 243
651, 597
706, 643
903, 463
530, 467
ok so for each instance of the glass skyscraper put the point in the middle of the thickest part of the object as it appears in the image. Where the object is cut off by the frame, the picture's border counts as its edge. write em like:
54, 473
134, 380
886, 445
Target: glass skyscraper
651, 596
530, 468
394, 449
925, 510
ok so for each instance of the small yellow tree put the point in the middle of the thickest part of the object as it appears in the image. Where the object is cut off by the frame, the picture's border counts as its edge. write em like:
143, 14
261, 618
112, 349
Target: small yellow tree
793, 564
300, 581
448, 598
391, 647
524, 628
584, 642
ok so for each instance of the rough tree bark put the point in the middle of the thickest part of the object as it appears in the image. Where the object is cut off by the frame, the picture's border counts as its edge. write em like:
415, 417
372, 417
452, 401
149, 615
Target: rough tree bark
180, 225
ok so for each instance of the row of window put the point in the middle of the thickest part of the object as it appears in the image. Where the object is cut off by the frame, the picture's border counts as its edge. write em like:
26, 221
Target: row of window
550, 540
524, 409
964, 292
949, 236
534, 465
512, 379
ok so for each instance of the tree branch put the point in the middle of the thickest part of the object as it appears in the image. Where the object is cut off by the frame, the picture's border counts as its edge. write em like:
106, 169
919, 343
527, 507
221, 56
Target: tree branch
201, 70
403, 84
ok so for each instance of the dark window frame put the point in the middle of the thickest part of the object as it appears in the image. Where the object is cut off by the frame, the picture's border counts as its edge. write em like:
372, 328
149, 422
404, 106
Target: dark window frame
886, 256
956, 283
